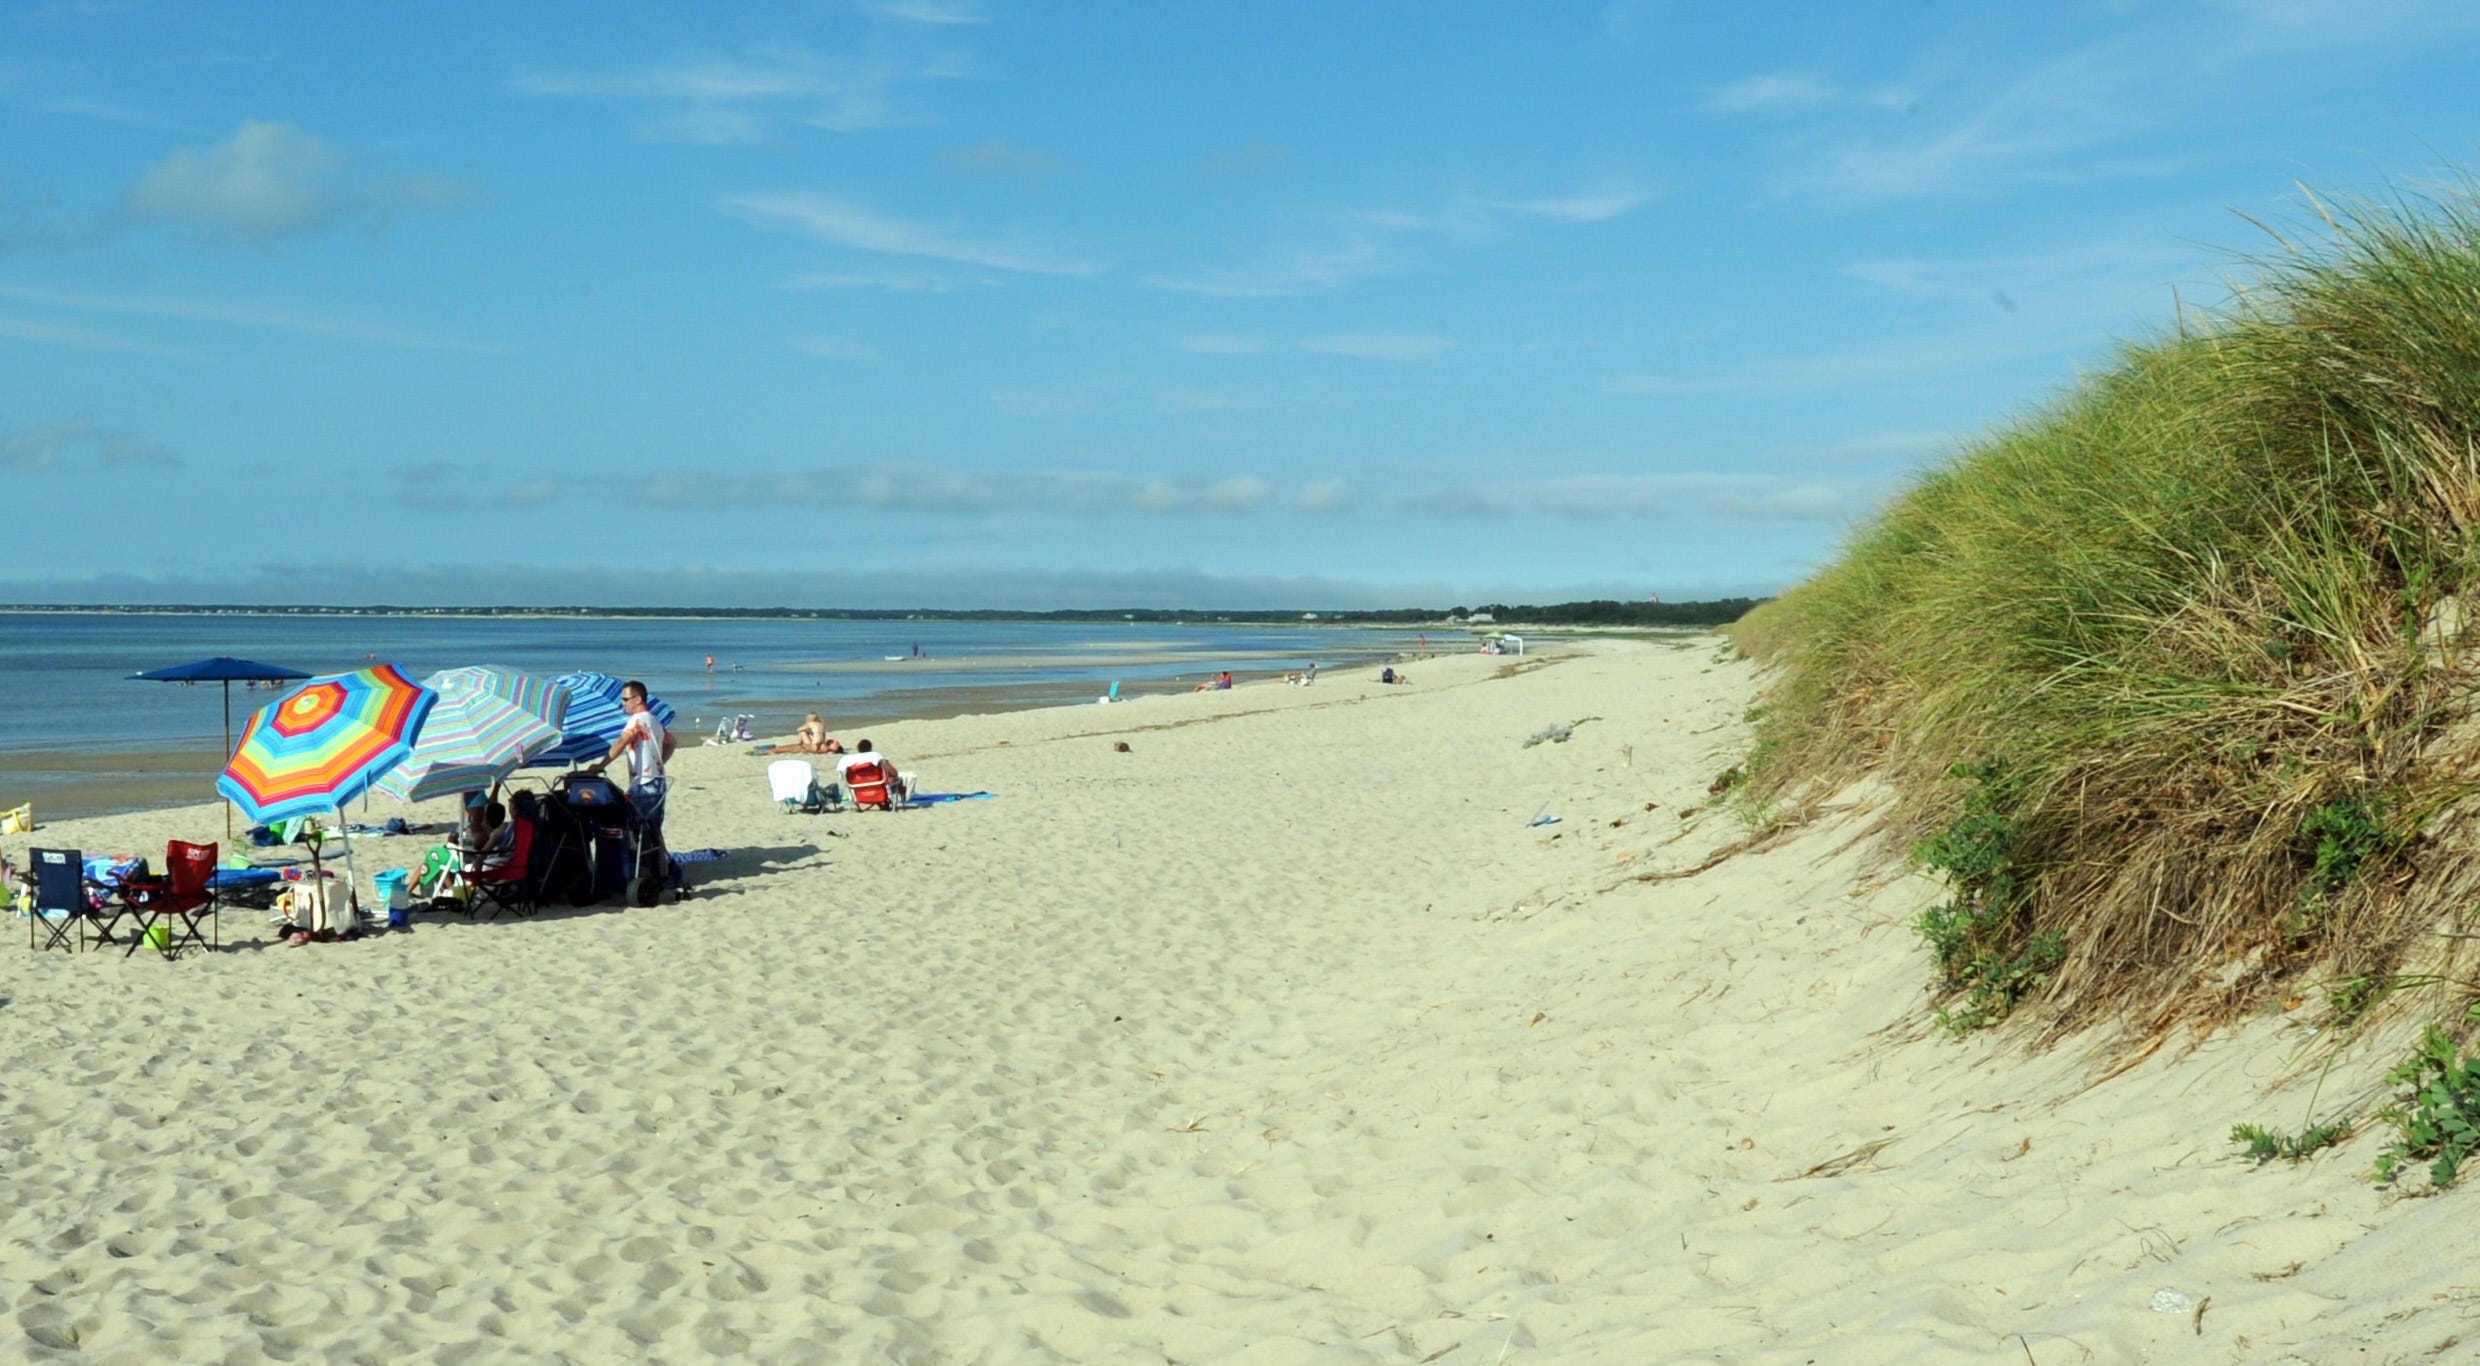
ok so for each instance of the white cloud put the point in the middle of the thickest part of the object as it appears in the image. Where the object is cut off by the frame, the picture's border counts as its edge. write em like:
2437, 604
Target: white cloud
936, 491
271, 180
1691, 496
1297, 271
79, 445
931, 12
1587, 207
235, 315
448, 486
892, 281
833, 348
843, 223
1325, 498
1394, 346
729, 100
1225, 343
1773, 92
999, 158
82, 338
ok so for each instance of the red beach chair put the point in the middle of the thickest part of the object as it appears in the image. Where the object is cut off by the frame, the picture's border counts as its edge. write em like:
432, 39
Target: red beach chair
181, 899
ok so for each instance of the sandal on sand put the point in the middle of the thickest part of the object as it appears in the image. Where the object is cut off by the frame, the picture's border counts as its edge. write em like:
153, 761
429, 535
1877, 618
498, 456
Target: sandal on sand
297, 938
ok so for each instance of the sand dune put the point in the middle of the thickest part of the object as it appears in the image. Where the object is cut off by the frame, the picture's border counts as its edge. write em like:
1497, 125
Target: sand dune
1281, 1037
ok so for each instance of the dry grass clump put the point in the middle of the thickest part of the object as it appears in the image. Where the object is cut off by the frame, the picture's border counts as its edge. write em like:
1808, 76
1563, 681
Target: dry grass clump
2196, 630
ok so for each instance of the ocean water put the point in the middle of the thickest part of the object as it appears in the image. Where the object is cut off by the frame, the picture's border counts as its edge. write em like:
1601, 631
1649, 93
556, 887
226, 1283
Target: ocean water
65, 686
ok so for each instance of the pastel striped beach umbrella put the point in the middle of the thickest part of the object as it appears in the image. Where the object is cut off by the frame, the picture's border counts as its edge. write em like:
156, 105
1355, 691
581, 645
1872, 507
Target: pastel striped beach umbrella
595, 718
486, 723
324, 743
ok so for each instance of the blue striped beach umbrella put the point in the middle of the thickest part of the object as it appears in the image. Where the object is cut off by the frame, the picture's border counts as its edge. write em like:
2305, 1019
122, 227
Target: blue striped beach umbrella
486, 723
595, 718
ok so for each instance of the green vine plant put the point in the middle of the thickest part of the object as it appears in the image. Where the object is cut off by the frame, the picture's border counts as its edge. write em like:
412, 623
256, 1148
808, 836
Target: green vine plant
2264, 1145
2439, 1122
1986, 962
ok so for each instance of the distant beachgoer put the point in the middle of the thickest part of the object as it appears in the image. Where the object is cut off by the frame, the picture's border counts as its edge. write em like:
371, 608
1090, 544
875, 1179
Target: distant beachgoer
1387, 675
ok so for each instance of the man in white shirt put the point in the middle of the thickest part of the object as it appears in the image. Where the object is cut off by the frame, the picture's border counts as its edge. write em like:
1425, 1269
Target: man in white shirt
647, 745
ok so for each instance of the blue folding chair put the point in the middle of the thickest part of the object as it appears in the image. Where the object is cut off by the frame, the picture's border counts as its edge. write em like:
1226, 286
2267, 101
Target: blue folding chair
65, 903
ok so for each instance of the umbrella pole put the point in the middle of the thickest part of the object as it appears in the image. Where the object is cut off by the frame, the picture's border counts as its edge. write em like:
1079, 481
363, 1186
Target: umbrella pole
228, 759
352, 878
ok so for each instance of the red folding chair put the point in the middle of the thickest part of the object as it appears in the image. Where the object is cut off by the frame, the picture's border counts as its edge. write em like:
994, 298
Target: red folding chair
510, 887
180, 900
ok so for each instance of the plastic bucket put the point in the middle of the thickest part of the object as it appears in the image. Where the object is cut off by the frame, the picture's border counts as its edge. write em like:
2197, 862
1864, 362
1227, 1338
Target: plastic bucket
393, 894
159, 938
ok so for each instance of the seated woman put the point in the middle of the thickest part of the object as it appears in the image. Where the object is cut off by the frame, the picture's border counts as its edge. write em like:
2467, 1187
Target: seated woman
811, 738
498, 846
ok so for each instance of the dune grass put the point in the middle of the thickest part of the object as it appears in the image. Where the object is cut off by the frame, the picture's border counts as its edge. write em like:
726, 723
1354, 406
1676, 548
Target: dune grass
2172, 676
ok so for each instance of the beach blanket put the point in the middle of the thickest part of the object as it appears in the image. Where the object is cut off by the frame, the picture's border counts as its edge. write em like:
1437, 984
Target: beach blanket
934, 798
109, 869
226, 878
699, 856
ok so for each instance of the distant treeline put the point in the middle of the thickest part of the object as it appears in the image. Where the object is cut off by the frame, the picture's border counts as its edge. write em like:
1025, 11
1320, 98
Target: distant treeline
1600, 613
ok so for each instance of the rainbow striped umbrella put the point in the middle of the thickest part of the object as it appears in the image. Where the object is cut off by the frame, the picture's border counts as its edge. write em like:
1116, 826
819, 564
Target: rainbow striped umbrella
595, 718
487, 722
324, 743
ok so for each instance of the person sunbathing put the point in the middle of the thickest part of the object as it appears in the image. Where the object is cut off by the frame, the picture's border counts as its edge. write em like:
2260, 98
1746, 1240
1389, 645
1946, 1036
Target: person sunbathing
811, 738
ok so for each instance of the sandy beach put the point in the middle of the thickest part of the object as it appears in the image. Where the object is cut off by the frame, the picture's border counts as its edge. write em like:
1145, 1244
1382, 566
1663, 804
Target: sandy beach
1284, 1036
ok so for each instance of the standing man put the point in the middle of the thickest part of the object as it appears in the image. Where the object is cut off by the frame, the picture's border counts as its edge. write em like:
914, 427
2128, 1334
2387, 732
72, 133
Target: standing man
648, 746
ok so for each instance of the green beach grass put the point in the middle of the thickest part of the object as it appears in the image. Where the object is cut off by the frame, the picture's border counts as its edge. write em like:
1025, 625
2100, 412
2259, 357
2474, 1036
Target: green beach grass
2173, 676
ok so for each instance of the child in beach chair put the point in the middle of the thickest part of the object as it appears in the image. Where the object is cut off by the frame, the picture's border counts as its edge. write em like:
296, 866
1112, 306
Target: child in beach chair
795, 785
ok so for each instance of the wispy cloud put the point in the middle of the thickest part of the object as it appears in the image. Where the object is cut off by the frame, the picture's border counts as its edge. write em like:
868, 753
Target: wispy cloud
1871, 364
1000, 158
734, 100
892, 281
938, 491
932, 12
1592, 206
271, 180
82, 338
79, 444
1306, 270
1346, 246
1394, 346
1225, 343
1326, 498
234, 315
1698, 496
1773, 92
844, 223
450, 486
833, 348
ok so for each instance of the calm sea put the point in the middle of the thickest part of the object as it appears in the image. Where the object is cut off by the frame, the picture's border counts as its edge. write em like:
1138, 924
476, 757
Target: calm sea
64, 679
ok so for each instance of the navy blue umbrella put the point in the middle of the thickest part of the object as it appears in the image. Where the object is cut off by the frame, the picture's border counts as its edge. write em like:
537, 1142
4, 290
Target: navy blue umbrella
222, 669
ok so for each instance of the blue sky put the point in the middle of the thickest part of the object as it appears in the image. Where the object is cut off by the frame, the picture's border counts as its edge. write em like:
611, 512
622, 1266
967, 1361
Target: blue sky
990, 303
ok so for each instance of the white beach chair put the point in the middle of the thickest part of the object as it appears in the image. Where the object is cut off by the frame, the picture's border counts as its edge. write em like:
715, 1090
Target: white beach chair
795, 785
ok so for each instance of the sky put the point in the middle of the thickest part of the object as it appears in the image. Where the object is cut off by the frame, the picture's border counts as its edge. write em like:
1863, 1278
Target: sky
990, 303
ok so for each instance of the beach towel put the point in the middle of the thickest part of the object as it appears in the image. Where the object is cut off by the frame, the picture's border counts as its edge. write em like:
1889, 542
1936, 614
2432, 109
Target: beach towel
934, 798
700, 856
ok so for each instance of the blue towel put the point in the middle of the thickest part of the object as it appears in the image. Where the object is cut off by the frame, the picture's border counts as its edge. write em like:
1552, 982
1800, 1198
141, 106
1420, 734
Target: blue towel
934, 798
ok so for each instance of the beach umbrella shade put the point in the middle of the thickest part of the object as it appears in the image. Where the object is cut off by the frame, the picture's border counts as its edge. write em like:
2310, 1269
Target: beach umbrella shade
222, 669
485, 724
595, 718
324, 743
